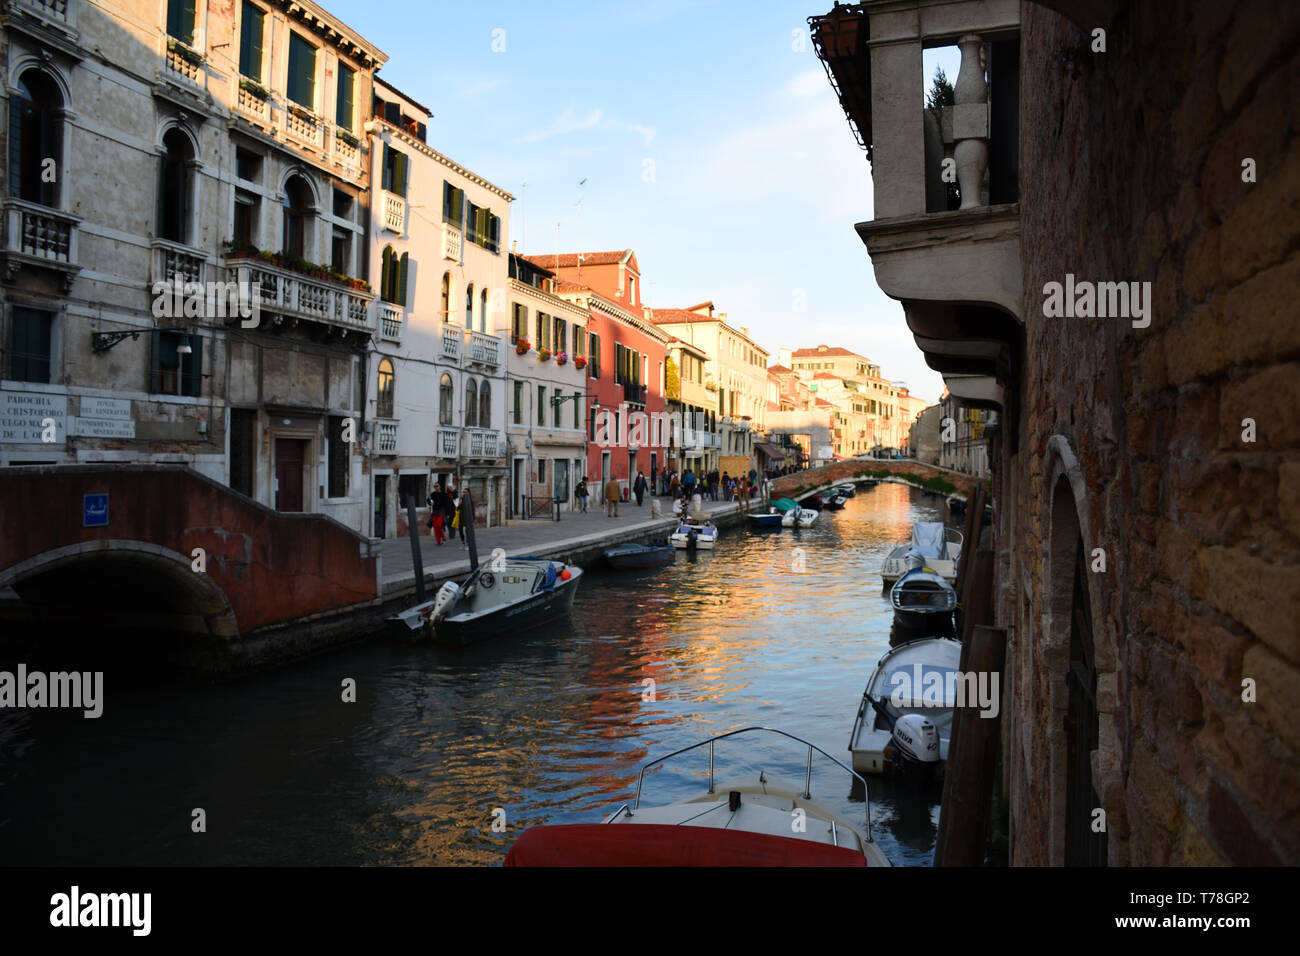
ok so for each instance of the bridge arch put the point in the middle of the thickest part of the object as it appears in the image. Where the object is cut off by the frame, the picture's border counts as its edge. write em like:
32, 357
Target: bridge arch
91, 578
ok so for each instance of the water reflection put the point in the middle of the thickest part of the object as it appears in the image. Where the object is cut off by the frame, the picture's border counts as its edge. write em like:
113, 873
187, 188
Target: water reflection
547, 726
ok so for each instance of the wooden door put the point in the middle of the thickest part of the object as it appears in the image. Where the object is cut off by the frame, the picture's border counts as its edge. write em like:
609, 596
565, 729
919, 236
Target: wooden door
289, 456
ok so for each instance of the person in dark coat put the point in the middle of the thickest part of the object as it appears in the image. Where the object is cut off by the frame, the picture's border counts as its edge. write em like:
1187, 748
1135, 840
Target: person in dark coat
438, 502
639, 487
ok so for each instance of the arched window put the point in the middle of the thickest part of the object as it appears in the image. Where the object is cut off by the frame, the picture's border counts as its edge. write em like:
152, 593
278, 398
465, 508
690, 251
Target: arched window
174, 198
35, 134
485, 405
469, 306
482, 311
446, 297
385, 409
297, 217
392, 281
471, 403
446, 398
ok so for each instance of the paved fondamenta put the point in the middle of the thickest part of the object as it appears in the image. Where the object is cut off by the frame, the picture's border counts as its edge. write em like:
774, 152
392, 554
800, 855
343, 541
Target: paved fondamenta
539, 537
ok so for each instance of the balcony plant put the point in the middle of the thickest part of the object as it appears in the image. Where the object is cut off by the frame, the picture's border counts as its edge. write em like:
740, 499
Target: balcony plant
544, 354
242, 249
252, 86
522, 346
301, 112
580, 362
348, 138
562, 359
184, 51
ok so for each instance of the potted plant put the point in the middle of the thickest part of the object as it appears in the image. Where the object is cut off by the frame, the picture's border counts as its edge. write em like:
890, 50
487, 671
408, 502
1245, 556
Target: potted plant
544, 354
580, 362
252, 86
184, 51
522, 346
347, 138
562, 359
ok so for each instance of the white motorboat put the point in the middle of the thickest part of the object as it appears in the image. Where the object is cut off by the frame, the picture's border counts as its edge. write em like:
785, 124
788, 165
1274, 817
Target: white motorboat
938, 545
799, 518
761, 823
914, 684
924, 602
693, 534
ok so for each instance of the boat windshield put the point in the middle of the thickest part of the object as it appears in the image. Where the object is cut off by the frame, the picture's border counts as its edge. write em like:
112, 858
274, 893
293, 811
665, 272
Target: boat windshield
920, 685
927, 538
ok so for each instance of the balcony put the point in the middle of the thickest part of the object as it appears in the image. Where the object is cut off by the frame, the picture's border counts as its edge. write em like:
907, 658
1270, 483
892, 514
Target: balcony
482, 443
294, 296
171, 260
253, 104
948, 251
390, 322
483, 349
634, 394
304, 127
451, 240
386, 436
393, 209
183, 61
345, 152
452, 336
448, 442
36, 235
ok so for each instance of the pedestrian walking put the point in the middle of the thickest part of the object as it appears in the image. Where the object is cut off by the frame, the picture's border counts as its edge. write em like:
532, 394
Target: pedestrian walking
688, 482
582, 494
673, 486
438, 513
612, 494
639, 488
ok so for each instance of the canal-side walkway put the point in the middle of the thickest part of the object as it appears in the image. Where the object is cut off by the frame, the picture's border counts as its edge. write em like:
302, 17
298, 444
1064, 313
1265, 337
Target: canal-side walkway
576, 535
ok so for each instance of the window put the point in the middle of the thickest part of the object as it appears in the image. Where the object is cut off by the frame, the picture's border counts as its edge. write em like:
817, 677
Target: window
174, 187
173, 371
453, 204
518, 418
245, 217
343, 205
297, 217
384, 407
446, 297
337, 452
29, 345
471, 403
35, 133
541, 471
243, 427
412, 486
485, 405
181, 20
396, 171
518, 322
248, 165
250, 42
302, 72
561, 335
627, 365
593, 367
577, 409
541, 405
482, 310
469, 307
343, 106
579, 342
555, 411
341, 250
543, 331
446, 398
392, 280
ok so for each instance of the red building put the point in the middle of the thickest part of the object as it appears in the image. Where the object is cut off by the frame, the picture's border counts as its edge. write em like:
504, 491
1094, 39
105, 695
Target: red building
628, 425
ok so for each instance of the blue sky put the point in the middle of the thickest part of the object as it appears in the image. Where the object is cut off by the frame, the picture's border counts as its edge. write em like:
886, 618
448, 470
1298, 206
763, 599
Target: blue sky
708, 136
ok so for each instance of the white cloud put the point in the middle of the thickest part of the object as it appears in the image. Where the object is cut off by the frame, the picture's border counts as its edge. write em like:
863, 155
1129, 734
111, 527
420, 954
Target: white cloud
567, 122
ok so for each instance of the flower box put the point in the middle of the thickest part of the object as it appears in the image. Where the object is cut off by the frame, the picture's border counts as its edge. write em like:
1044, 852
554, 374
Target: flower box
562, 359
347, 138
252, 86
580, 362
184, 51
544, 354
522, 346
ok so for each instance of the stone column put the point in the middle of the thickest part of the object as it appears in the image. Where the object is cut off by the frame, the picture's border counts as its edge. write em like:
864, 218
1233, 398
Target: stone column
970, 122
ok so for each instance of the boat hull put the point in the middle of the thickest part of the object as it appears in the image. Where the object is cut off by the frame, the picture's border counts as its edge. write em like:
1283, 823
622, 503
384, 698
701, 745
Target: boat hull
640, 558
766, 521
537, 609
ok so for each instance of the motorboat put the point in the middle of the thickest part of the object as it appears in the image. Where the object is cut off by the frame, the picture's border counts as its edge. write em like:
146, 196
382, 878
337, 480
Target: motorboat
799, 518
815, 502
846, 490
757, 823
924, 602
691, 535
504, 595
914, 684
957, 505
769, 519
835, 502
630, 555
938, 545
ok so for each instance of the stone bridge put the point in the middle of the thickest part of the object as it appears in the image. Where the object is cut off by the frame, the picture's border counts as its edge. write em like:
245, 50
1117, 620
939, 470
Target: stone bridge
918, 473
112, 548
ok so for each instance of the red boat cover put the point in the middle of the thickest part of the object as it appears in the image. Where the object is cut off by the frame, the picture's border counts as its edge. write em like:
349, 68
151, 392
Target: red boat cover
656, 844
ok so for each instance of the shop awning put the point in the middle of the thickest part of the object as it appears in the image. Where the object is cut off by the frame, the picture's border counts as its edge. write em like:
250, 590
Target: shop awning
770, 450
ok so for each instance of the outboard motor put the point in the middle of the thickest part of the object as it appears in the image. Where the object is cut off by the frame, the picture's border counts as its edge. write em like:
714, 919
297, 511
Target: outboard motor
915, 743
446, 597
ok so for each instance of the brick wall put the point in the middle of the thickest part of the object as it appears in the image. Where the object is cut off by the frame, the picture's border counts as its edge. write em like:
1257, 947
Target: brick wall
1131, 169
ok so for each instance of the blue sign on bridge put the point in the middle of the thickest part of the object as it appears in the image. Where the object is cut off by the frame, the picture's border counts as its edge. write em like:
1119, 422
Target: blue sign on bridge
94, 510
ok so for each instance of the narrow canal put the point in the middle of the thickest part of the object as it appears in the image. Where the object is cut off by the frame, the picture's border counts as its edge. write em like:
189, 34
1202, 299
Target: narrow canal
548, 726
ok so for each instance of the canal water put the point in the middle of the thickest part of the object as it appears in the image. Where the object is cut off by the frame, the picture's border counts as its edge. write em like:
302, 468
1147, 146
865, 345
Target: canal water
549, 726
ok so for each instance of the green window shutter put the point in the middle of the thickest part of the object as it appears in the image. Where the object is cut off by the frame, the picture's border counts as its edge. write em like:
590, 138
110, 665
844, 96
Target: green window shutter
343, 105
250, 42
401, 280
385, 272
404, 168
194, 368
181, 19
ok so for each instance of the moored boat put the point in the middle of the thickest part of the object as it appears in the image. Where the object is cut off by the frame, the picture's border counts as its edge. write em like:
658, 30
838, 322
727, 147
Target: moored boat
769, 519
913, 684
835, 503
847, 490
691, 535
630, 555
739, 824
924, 602
938, 545
505, 595
799, 518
